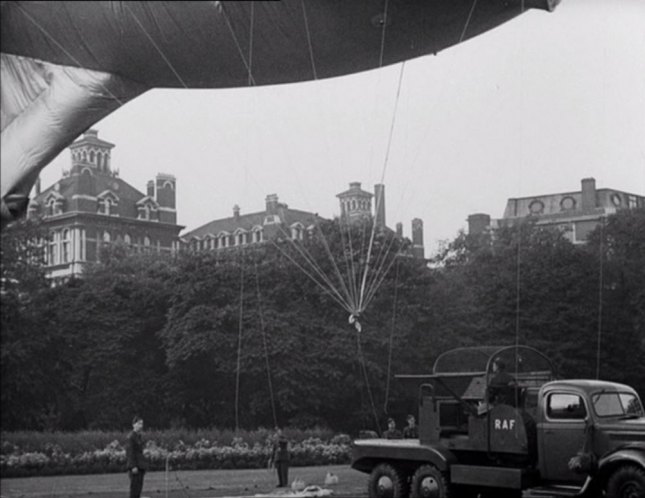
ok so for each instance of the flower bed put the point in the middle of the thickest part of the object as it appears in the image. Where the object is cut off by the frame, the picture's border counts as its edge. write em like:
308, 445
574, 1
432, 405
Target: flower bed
53, 459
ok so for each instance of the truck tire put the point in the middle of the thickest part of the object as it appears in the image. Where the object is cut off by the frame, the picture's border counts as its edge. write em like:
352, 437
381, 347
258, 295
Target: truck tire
429, 482
386, 481
628, 481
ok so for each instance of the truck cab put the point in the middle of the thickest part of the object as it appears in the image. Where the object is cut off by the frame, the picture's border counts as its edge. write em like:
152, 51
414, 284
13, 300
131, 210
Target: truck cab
495, 420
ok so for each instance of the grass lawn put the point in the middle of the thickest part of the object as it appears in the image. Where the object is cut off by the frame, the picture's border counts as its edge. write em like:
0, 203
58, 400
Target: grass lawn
183, 484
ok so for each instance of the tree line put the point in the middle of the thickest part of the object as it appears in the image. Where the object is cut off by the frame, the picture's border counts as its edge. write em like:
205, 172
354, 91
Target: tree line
161, 335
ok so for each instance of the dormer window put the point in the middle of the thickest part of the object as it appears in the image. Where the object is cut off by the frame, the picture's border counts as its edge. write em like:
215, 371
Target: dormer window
257, 235
297, 231
240, 238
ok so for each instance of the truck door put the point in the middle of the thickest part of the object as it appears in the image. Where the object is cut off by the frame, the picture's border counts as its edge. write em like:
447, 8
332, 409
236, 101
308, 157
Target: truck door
561, 435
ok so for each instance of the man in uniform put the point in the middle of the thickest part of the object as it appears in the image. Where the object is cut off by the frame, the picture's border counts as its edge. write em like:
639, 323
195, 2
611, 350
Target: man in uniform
135, 459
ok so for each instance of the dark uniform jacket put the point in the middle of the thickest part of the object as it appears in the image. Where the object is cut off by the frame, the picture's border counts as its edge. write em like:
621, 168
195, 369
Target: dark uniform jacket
134, 451
281, 451
410, 432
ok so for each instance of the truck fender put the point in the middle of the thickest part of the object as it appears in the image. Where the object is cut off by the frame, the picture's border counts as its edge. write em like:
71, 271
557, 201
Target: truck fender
632, 454
367, 459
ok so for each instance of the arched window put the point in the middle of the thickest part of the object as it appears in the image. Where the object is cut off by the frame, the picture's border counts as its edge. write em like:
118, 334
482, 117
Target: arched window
65, 246
257, 235
353, 205
146, 241
106, 237
92, 156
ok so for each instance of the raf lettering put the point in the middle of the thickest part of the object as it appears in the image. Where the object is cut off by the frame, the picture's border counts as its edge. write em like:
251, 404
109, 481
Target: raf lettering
504, 424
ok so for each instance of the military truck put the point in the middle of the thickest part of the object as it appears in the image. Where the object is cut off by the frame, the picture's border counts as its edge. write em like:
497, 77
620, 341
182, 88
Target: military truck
531, 433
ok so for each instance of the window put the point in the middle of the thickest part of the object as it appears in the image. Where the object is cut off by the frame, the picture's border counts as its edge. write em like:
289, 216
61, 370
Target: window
632, 202
127, 239
146, 241
257, 236
566, 406
616, 405
65, 244
53, 244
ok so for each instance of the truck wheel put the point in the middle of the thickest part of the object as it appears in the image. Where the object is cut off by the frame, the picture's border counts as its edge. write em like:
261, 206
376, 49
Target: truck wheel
386, 482
429, 482
627, 481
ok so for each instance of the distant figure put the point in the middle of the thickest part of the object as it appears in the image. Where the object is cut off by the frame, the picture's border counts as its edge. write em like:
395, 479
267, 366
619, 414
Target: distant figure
280, 458
500, 384
411, 431
392, 432
135, 459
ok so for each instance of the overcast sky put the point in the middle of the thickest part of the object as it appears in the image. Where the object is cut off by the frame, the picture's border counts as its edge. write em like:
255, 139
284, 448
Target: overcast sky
529, 108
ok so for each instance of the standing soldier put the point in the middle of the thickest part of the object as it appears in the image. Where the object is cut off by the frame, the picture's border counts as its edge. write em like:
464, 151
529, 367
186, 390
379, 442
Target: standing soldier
134, 455
280, 458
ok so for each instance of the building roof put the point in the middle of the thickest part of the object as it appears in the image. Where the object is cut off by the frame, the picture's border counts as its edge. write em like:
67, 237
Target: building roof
98, 183
287, 216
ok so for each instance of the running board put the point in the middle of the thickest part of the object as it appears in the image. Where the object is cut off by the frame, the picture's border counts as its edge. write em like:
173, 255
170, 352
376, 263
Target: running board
555, 491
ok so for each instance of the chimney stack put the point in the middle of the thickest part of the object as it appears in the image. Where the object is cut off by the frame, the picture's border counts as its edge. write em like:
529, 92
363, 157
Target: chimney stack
478, 223
399, 230
272, 203
588, 187
236, 212
418, 250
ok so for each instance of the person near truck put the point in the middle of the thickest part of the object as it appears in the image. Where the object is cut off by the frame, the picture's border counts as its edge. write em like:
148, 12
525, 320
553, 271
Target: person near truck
135, 459
392, 432
500, 384
410, 431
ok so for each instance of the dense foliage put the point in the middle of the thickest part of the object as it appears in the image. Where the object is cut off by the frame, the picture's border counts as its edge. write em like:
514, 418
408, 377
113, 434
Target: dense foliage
160, 336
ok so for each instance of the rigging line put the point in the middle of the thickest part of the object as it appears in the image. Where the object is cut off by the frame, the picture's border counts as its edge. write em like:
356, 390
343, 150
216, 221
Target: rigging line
309, 259
517, 299
470, 14
371, 296
327, 291
349, 260
379, 200
600, 285
237, 43
361, 360
239, 347
157, 48
250, 80
264, 342
380, 262
389, 357
336, 268
311, 49
380, 62
68, 54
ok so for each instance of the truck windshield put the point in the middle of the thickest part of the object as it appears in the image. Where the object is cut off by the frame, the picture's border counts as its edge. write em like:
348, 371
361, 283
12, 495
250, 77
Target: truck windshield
615, 404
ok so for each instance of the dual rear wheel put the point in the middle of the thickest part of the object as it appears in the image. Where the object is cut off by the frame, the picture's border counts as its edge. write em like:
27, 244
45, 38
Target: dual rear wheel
386, 481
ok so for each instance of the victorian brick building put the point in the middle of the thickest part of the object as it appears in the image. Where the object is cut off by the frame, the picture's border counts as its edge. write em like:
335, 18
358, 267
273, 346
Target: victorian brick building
576, 213
91, 206
279, 220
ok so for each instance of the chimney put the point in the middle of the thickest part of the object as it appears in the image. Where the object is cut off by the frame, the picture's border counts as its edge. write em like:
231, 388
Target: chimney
478, 223
272, 203
236, 212
379, 204
399, 230
588, 186
417, 238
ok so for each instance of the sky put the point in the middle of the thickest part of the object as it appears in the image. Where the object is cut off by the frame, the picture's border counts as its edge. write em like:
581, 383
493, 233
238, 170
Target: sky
529, 108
